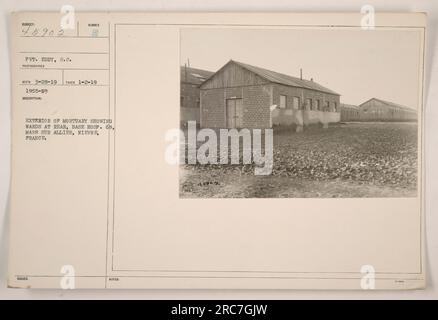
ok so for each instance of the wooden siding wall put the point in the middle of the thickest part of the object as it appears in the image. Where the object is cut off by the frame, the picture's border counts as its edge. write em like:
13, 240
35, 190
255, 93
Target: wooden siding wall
350, 113
303, 94
233, 76
375, 110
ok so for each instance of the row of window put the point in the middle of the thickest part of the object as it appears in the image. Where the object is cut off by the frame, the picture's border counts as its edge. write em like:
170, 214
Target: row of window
309, 104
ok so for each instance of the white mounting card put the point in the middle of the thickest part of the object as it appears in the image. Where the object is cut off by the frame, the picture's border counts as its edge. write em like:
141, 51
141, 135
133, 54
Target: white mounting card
127, 173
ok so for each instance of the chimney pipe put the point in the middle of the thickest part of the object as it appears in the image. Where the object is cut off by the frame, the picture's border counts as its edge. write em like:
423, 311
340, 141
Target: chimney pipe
311, 79
185, 72
301, 73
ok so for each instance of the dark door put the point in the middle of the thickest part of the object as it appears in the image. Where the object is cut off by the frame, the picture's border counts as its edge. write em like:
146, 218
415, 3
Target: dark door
234, 113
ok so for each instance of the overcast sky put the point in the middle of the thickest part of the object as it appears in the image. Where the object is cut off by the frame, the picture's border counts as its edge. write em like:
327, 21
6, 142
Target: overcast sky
357, 64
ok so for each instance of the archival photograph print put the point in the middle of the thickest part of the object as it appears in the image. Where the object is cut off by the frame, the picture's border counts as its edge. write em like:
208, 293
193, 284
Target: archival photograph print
299, 113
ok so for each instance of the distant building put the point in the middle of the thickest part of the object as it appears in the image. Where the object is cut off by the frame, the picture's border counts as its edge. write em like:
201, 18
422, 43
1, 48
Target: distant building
190, 80
381, 110
349, 112
377, 110
239, 95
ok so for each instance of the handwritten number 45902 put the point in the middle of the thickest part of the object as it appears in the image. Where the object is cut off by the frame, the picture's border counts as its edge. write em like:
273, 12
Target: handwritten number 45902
41, 32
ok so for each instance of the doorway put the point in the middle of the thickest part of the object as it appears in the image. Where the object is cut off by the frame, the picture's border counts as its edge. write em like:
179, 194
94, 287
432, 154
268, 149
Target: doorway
234, 113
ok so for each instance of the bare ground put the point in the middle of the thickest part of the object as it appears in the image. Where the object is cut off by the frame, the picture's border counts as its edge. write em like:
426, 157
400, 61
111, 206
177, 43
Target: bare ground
347, 160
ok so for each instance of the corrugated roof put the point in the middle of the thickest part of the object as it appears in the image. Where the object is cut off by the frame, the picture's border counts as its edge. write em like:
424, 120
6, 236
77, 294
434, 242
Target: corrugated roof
284, 79
352, 106
194, 76
390, 104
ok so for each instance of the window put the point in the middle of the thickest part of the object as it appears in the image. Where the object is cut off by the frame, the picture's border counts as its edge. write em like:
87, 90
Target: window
295, 103
335, 107
181, 101
198, 103
327, 106
317, 104
308, 105
282, 102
